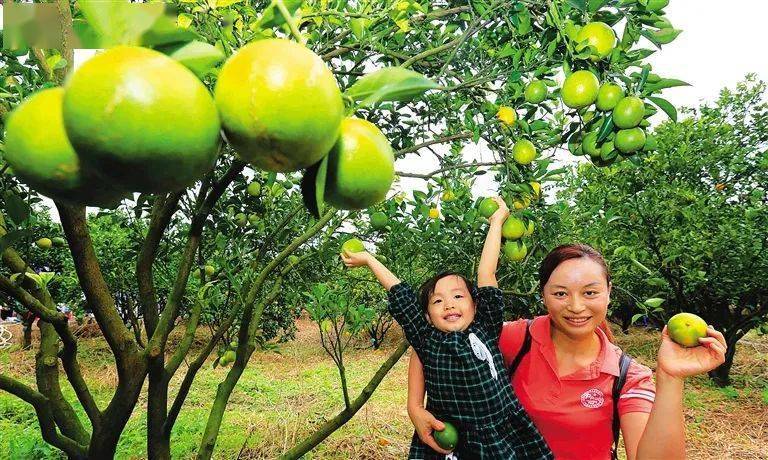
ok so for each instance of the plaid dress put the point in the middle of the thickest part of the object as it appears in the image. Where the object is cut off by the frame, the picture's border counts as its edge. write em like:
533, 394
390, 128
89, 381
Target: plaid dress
463, 387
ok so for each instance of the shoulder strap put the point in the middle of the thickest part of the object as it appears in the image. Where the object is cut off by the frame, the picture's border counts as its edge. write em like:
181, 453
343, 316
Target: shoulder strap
618, 384
524, 349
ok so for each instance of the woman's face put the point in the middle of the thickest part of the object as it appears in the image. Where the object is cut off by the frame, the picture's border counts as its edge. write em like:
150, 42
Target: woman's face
576, 297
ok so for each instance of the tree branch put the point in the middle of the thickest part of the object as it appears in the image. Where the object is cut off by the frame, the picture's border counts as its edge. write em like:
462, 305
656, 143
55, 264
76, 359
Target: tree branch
440, 140
447, 168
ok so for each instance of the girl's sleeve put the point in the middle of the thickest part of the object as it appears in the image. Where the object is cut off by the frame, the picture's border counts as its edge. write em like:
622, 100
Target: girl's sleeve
404, 307
639, 391
490, 309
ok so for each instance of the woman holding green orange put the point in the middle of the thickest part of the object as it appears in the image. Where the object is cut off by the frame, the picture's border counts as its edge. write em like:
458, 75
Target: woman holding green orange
564, 366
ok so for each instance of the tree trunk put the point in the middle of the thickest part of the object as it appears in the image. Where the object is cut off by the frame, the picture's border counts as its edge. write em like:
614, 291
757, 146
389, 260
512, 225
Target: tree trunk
223, 393
26, 341
722, 375
158, 443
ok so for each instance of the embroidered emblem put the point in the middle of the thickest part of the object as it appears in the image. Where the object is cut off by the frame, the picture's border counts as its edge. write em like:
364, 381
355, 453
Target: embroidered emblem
592, 398
483, 353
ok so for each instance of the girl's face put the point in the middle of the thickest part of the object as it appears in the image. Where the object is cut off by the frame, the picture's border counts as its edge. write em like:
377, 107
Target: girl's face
451, 307
577, 296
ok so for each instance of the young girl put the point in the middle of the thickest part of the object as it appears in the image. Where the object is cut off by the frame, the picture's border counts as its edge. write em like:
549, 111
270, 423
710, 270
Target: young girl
454, 328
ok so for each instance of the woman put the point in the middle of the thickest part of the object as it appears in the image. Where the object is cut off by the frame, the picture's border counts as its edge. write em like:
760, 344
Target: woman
564, 380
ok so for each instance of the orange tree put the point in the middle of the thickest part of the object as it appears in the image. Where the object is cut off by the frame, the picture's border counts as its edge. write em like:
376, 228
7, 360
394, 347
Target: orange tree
425, 76
685, 230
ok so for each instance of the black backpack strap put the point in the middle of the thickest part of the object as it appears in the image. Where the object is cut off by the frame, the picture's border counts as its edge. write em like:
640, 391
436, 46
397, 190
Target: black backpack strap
618, 384
524, 349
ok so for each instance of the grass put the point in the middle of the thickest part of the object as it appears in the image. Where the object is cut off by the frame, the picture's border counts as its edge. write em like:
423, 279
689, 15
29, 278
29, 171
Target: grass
282, 397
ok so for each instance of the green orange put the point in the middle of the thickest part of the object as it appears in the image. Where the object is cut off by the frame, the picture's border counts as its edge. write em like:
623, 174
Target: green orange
487, 207
513, 228
524, 152
629, 140
608, 96
515, 250
580, 89
44, 243
686, 329
254, 188
536, 92
353, 245
600, 36
448, 437
141, 120
280, 105
629, 112
589, 145
379, 220
361, 166
48, 163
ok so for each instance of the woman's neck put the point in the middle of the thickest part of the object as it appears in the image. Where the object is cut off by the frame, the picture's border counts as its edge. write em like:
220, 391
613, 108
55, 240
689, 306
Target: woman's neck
579, 349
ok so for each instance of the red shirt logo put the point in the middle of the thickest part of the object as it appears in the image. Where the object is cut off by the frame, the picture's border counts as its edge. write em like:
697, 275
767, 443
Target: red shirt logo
592, 399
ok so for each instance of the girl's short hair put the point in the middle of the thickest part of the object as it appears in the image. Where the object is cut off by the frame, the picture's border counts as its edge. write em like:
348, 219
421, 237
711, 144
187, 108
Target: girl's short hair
428, 287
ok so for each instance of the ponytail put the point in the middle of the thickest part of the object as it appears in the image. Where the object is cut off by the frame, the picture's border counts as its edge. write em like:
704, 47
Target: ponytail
608, 333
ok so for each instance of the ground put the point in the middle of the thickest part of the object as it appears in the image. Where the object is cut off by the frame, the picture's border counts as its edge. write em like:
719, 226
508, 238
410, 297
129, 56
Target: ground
281, 397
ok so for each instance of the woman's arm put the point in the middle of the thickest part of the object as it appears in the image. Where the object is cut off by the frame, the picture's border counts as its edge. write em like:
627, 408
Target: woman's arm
661, 434
489, 259
423, 421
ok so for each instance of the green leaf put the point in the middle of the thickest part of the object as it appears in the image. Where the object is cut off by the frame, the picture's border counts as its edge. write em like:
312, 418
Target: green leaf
18, 210
313, 187
272, 16
120, 23
663, 84
654, 302
199, 57
578, 4
666, 106
595, 5
10, 238
390, 84
166, 31
636, 317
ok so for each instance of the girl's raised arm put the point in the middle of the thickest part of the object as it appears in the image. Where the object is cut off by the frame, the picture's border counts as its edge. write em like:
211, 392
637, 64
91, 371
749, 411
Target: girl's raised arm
489, 259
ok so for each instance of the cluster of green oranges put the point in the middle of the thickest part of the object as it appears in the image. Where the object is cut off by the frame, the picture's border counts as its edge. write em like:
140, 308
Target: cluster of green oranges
614, 127
131, 119
513, 230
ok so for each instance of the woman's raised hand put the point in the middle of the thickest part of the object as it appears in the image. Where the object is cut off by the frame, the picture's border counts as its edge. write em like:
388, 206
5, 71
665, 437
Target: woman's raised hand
355, 259
502, 213
425, 423
678, 361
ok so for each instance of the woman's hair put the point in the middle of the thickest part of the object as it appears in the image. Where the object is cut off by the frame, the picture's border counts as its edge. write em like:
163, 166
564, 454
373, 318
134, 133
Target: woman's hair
573, 251
428, 287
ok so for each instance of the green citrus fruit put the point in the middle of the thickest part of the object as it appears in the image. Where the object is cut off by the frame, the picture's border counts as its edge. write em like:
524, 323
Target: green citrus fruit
600, 36
448, 438
254, 188
253, 218
229, 357
536, 92
686, 329
515, 250
606, 149
280, 105
59, 241
629, 140
608, 96
293, 259
513, 228
361, 166
142, 120
580, 89
530, 228
44, 243
507, 115
590, 146
48, 163
629, 112
487, 207
209, 270
379, 220
434, 213
524, 152
656, 5
448, 196
241, 220
353, 245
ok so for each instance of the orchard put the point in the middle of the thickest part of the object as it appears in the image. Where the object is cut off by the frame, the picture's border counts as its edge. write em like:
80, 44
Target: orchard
174, 207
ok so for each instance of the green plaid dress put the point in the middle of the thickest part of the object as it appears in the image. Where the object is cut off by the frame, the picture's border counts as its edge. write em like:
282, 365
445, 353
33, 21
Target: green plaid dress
463, 387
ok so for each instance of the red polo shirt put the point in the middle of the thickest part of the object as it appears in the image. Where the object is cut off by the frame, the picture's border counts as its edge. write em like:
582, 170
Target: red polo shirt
573, 412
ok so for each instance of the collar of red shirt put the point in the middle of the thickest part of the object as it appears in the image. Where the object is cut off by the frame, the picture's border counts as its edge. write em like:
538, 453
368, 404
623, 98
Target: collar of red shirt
607, 360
